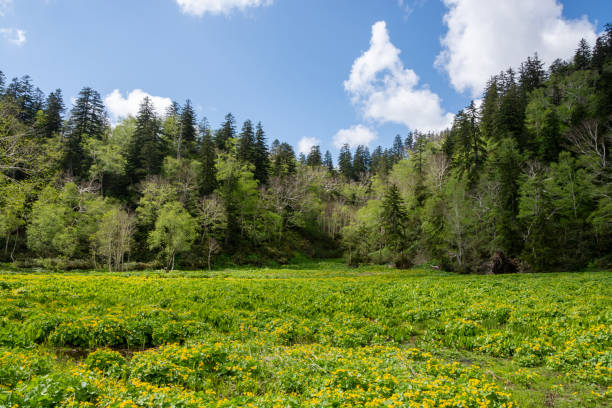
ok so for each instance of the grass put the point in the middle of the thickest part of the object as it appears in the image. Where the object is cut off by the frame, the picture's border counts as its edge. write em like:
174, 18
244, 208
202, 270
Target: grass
315, 334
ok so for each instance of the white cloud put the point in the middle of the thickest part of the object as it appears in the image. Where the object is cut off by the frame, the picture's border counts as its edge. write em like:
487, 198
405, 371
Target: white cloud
120, 107
201, 7
354, 136
4, 6
13, 36
385, 91
485, 37
306, 143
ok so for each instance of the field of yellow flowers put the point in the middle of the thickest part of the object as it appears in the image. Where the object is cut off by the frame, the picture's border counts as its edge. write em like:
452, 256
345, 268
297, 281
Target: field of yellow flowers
310, 336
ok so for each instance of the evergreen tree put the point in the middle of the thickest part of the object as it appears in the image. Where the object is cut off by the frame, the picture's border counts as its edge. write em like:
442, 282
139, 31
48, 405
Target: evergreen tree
227, 132
328, 162
361, 162
2, 83
261, 158
419, 147
188, 132
145, 152
398, 148
208, 176
87, 120
314, 157
393, 220
345, 162
409, 142
531, 74
282, 159
582, 57
302, 158
246, 143
54, 108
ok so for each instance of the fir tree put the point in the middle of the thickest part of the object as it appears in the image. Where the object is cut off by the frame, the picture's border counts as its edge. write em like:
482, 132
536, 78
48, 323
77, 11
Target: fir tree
208, 176
145, 152
328, 162
54, 108
582, 57
361, 162
261, 158
246, 143
187, 128
227, 132
314, 157
398, 148
87, 119
345, 162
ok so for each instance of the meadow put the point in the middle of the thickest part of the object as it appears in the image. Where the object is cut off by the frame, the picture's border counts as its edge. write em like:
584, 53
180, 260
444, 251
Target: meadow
317, 335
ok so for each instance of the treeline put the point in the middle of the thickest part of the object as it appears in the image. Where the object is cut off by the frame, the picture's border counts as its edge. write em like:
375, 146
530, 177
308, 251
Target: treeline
524, 175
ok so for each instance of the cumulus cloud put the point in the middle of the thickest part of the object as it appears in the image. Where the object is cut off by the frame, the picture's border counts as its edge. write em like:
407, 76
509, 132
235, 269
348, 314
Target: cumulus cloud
385, 91
120, 107
306, 143
354, 136
485, 37
13, 36
201, 7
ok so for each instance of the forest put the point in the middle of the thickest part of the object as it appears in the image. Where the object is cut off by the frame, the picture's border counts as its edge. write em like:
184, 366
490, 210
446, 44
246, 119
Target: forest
523, 178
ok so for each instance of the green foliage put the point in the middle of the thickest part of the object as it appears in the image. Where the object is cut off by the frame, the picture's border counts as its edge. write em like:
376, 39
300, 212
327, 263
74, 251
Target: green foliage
174, 233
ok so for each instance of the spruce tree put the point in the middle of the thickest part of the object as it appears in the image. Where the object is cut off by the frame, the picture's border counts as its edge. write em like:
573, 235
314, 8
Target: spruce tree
188, 131
54, 108
328, 162
314, 157
261, 157
283, 159
393, 220
345, 162
361, 162
398, 148
246, 143
87, 119
582, 57
227, 132
145, 153
208, 177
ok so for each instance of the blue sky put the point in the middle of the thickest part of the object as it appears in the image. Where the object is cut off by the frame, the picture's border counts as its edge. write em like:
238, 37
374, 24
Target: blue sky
315, 71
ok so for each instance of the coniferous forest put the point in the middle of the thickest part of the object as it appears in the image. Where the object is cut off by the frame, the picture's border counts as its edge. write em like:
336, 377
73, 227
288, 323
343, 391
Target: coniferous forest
522, 181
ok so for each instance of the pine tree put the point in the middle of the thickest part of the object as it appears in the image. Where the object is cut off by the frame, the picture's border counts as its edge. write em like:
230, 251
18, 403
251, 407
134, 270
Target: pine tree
246, 143
398, 148
188, 133
227, 132
208, 177
345, 162
582, 57
314, 158
302, 158
54, 108
531, 74
328, 162
361, 162
87, 119
282, 159
261, 157
419, 147
145, 152
393, 220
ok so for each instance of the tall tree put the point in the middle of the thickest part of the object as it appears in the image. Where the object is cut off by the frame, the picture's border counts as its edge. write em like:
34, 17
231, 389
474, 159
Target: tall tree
227, 132
328, 162
145, 151
188, 132
246, 143
261, 158
399, 151
582, 57
208, 177
393, 219
283, 159
314, 158
87, 119
345, 162
54, 108
361, 162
